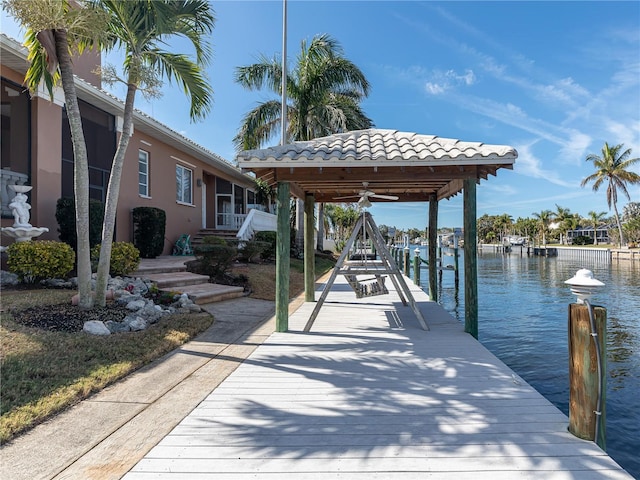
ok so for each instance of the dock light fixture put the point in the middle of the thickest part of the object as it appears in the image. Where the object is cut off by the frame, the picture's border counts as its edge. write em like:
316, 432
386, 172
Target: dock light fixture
583, 285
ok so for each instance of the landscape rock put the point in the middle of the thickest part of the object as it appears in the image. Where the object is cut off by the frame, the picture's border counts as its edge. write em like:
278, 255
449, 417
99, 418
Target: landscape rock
96, 327
8, 278
136, 323
136, 305
117, 327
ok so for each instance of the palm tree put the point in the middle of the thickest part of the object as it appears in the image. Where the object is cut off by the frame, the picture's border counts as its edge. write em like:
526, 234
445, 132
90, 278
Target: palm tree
595, 218
142, 28
544, 218
613, 167
324, 92
56, 31
562, 216
503, 223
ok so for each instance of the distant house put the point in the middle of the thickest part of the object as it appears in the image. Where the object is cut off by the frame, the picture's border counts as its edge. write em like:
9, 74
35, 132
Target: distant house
195, 187
601, 233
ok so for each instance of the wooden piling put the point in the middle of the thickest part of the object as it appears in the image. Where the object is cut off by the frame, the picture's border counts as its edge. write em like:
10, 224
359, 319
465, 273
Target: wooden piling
583, 373
309, 251
470, 259
283, 254
433, 244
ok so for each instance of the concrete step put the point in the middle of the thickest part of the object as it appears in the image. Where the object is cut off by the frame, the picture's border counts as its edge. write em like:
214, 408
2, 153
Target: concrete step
170, 280
211, 292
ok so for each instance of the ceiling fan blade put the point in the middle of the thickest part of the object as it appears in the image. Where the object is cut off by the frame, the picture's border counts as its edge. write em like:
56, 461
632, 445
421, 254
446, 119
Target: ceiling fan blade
384, 197
348, 196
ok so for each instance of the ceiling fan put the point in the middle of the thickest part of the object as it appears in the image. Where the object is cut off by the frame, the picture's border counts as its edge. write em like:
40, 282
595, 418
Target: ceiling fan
365, 194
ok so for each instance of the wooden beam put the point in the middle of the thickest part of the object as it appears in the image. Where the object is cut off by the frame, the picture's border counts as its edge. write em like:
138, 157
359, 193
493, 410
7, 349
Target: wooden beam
470, 258
309, 250
283, 251
433, 240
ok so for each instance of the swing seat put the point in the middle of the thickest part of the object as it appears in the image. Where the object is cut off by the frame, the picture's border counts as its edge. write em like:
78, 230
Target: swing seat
369, 287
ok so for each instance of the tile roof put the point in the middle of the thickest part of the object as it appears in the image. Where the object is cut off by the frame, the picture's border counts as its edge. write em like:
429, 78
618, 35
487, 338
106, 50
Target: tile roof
375, 146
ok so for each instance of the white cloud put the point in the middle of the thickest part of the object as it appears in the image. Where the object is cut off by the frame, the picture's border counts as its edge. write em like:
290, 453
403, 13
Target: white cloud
441, 82
531, 166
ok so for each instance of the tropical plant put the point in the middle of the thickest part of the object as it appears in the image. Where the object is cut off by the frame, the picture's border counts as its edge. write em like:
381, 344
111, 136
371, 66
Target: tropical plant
55, 31
563, 218
544, 219
595, 219
503, 223
613, 167
324, 91
142, 28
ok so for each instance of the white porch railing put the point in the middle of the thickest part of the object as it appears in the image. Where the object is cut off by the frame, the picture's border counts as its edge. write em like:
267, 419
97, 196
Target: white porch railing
230, 221
9, 177
257, 221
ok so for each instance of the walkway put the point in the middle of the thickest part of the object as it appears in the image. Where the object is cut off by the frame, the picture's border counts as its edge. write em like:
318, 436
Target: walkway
369, 395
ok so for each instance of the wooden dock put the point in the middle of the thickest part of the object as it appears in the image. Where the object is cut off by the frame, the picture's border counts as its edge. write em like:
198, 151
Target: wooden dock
367, 394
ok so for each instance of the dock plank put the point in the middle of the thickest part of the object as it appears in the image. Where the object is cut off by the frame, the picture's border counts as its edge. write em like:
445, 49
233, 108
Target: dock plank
369, 394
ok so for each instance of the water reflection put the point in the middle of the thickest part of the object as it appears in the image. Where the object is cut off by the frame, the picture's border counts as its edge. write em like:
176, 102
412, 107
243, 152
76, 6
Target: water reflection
522, 317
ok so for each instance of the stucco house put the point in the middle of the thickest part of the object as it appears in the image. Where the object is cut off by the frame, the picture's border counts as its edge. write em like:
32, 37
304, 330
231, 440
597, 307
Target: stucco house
195, 187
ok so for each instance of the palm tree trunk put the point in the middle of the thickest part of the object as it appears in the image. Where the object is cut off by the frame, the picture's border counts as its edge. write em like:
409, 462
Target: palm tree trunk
113, 191
80, 170
615, 212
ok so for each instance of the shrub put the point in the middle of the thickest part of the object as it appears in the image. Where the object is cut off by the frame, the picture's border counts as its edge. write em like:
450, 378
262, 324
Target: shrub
66, 218
252, 249
125, 258
214, 257
39, 260
582, 240
148, 230
269, 239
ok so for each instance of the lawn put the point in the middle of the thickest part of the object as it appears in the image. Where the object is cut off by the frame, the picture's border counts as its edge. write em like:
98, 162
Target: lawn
44, 372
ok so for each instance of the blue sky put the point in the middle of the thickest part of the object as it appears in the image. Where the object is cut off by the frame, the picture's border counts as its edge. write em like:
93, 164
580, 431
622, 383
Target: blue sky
555, 80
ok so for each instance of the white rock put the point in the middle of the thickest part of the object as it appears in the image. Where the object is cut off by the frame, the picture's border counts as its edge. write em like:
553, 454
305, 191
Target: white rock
96, 327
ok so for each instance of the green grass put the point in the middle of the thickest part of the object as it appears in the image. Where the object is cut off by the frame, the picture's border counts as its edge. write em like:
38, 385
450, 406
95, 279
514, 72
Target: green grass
43, 372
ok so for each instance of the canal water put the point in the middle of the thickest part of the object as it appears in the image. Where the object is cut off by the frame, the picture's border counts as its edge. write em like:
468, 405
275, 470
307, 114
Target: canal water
522, 319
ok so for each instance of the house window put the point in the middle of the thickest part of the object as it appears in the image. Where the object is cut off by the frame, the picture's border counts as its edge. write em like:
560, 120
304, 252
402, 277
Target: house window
143, 173
184, 185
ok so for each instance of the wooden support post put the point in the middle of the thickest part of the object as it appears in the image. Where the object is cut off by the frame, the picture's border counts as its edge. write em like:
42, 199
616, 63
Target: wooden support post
405, 260
309, 250
583, 373
283, 253
433, 241
470, 258
320, 240
416, 267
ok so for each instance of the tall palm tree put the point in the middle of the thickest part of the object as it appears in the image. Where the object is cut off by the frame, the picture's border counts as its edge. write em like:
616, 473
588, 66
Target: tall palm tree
544, 219
563, 216
613, 167
141, 28
595, 218
503, 223
56, 31
324, 91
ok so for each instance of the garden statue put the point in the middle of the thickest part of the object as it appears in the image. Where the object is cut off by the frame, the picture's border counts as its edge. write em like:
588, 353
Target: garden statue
22, 231
20, 209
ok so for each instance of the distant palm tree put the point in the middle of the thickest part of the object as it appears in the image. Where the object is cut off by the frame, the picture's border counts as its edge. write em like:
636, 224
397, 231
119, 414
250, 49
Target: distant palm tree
613, 167
562, 216
595, 218
324, 91
544, 219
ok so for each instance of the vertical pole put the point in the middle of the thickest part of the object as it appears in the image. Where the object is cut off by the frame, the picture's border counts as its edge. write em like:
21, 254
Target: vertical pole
470, 258
583, 373
433, 242
405, 258
283, 252
283, 87
456, 255
309, 251
416, 266
320, 240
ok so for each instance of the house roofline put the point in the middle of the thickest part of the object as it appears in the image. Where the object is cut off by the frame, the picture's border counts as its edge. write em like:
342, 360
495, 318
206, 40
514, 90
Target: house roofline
14, 56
